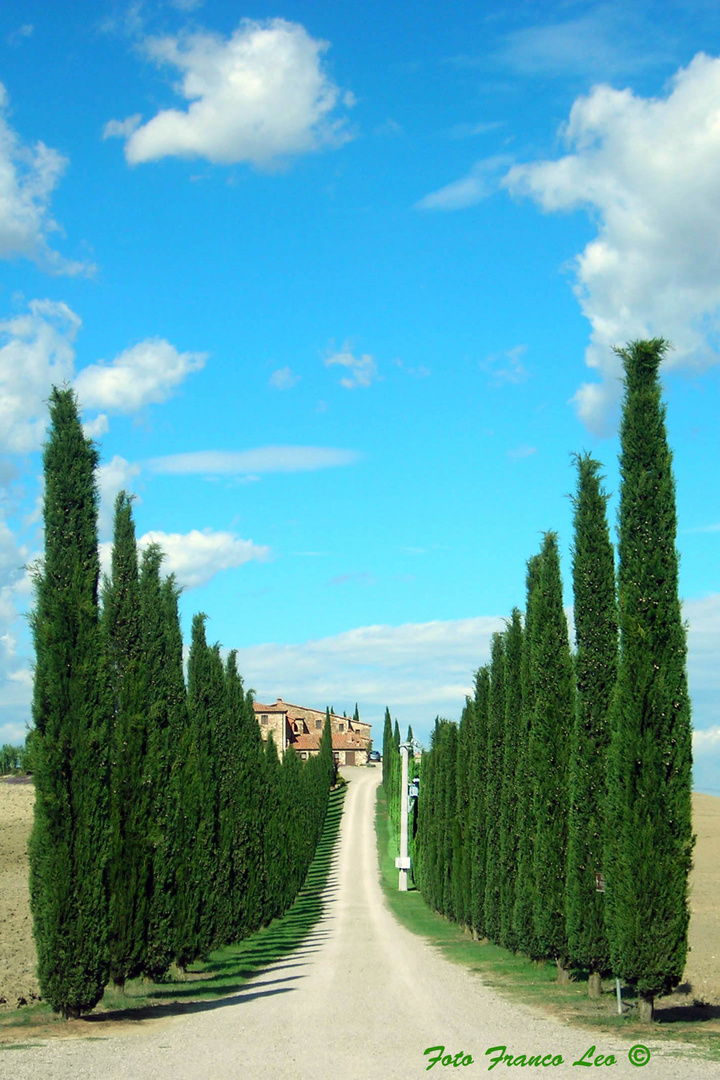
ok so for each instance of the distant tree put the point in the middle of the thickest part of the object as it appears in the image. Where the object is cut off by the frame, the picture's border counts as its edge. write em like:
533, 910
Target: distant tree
493, 787
513, 642
552, 723
356, 715
69, 842
10, 757
478, 801
523, 912
596, 636
650, 839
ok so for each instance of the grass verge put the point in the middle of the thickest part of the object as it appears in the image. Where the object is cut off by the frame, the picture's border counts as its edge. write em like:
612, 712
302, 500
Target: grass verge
207, 984
535, 983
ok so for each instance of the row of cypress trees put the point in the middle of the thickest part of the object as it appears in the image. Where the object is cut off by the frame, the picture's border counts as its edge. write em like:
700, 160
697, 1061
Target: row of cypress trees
163, 827
555, 820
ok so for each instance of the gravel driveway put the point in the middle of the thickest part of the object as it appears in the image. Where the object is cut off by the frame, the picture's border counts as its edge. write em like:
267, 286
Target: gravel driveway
360, 1000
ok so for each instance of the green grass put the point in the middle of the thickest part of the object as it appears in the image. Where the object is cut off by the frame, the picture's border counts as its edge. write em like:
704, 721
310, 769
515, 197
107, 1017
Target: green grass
227, 970
535, 983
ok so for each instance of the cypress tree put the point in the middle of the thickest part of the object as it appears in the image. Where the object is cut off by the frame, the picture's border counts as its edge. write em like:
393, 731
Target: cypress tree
130, 865
650, 829
513, 639
224, 766
69, 842
274, 854
461, 854
448, 757
478, 838
549, 744
523, 916
493, 787
198, 801
596, 635
247, 855
166, 706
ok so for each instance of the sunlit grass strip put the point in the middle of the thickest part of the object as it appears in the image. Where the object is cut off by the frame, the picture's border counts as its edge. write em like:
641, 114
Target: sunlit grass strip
516, 977
226, 970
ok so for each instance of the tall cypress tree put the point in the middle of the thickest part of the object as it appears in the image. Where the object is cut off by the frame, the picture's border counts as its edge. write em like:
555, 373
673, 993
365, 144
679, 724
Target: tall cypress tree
513, 639
523, 911
164, 693
247, 854
493, 787
130, 865
550, 747
69, 842
596, 634
650, 829
478, 838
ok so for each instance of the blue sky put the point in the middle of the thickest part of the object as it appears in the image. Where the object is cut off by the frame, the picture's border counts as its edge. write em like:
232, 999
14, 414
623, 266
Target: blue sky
337, 287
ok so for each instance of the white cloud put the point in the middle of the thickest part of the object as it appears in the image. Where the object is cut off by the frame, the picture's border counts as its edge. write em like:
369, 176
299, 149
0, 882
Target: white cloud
96, 427
646, 170
122, 129
36, 352
506, 367
466, 131
196, 557
363, 369
142, 375
258, 96
284, 379
117, 475
517, 453
418, 669
479, 184
602, 43
28, 177
262, 460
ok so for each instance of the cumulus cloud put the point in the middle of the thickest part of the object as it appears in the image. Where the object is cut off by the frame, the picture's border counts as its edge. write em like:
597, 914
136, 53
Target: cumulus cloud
284, 379
261, 460
419, 668
36, 352
15, 676
258, 96
479, 184
28, 177
145, 374
362, 370
646, 170
196, 557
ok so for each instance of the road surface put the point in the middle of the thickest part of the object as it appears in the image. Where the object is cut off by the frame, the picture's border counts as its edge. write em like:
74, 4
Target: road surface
360, 1000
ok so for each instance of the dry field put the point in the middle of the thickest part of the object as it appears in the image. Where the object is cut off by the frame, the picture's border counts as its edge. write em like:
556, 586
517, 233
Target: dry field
18, 984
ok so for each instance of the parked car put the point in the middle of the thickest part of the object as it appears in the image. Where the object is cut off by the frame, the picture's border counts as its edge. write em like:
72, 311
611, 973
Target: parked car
374, 755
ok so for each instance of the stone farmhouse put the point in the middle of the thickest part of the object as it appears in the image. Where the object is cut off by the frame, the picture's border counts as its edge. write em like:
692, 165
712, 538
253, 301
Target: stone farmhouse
301, 728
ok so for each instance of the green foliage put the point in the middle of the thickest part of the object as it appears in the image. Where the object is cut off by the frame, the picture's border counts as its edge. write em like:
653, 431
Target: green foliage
551, 726
513, 642
596, 635
649, 840
523, 910
130, 866
494, 786
10, 759
69, 842
478, 800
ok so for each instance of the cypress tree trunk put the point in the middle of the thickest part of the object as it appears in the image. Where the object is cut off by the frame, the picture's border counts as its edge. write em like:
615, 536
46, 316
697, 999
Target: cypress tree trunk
595, 671
549, 746
69, 842
494, 786
650, 839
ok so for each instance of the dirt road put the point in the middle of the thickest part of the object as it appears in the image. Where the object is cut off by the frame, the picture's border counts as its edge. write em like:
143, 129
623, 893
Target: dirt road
361, 1000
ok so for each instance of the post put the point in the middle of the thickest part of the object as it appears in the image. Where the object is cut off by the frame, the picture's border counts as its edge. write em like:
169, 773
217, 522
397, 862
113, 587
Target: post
618, 991
403, 882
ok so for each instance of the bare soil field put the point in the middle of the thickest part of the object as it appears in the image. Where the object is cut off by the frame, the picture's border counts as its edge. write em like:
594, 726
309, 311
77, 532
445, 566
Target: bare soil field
18, 983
